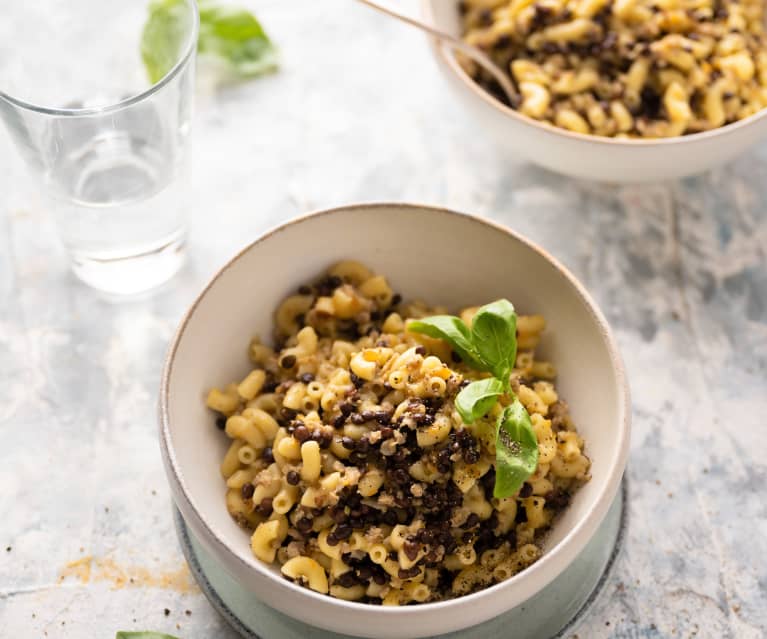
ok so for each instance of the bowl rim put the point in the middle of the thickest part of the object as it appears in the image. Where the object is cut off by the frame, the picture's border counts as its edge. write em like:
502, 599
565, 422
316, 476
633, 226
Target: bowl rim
440, 51
570, 545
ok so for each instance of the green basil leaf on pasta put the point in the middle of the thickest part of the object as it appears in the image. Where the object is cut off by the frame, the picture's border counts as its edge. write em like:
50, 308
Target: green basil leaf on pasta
454, 331
494, 337
516, 450
122, 634
476, 399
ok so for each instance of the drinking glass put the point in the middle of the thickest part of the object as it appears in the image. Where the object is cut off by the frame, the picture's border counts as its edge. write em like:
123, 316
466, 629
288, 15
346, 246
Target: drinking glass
107, 147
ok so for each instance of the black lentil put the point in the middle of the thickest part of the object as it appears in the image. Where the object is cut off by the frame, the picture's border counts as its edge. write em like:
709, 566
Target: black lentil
343, 531
346, 408
408, 573
339, 420
323, 438
365, 573
332, 539
304, 524
411, 549
265, 507
511, 537
347, 580
301, 433
390, 518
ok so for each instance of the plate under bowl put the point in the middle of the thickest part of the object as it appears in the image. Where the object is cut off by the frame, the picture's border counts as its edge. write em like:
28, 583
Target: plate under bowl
555, 611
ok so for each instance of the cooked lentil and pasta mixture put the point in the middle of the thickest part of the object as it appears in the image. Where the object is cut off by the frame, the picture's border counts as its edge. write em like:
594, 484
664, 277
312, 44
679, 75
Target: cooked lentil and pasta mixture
351, 466
625, 68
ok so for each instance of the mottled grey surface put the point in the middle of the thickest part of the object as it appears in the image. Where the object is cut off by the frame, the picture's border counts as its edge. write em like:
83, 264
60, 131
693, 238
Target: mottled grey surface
359, 113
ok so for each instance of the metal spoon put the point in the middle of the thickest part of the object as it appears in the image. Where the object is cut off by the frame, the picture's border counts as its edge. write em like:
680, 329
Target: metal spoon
476, 54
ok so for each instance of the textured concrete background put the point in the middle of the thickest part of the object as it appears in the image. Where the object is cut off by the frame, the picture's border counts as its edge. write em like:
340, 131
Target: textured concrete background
358, 112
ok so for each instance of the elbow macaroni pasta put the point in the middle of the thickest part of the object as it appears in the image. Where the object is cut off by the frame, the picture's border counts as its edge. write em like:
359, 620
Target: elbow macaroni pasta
628, 68
351, 466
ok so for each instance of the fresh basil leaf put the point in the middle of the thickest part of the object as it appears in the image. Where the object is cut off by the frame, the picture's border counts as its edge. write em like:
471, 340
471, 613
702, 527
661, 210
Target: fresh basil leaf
494, 337
236, 36
122, 634
164, 34
516, 450
477, 398
453, 330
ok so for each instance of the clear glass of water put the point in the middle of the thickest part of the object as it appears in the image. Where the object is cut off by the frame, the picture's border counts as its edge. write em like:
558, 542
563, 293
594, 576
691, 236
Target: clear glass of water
107, 147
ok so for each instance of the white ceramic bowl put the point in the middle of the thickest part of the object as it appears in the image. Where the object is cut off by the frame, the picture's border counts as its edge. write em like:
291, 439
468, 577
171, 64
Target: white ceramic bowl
445, 258
586, 156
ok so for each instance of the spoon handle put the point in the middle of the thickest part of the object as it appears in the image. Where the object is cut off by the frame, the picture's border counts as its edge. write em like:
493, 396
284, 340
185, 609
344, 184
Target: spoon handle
424, 26
480, 57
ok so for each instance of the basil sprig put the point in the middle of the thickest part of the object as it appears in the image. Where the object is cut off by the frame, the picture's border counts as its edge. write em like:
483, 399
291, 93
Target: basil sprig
228, 33
491, 345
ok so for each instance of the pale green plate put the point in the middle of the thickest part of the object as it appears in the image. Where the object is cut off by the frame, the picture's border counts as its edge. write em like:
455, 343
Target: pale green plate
553, 612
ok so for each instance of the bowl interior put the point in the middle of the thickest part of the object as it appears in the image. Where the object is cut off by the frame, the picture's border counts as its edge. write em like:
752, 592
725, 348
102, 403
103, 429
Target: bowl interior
439, 256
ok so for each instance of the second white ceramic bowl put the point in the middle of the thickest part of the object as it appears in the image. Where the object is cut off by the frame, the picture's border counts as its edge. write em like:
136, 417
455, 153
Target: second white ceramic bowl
586, 156
440, 256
